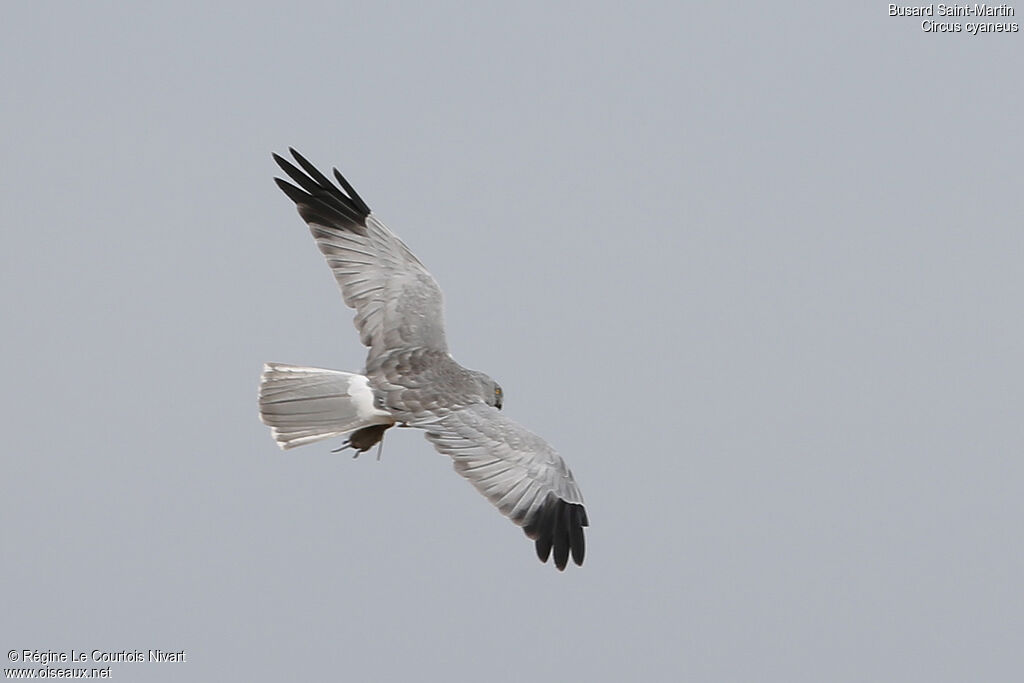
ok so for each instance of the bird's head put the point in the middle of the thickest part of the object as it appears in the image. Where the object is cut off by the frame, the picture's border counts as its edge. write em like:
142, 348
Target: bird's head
491, 390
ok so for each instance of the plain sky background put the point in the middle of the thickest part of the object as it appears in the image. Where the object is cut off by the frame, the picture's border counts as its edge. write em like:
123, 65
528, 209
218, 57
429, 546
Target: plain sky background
755, 271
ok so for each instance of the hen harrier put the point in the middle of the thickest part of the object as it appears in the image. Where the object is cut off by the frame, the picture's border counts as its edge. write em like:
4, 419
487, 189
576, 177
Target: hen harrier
410, 379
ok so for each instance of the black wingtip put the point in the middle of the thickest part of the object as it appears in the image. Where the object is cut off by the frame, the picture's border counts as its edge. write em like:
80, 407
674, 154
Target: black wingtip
561, 537
558, 526
317, 198
294, 193
351, 191
298, 157
543, 546
577, 542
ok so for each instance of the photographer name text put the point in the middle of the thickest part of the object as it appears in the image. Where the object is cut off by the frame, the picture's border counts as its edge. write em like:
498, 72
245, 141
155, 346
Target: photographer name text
45, 657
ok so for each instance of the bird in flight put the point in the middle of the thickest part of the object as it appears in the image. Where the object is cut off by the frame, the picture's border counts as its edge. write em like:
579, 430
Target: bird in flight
410, 379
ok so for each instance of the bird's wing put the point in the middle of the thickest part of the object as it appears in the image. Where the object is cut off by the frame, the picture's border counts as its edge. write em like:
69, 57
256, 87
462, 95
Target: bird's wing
517, 471
397, 301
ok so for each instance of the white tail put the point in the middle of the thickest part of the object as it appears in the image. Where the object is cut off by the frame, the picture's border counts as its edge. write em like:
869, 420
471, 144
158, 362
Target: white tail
304, 405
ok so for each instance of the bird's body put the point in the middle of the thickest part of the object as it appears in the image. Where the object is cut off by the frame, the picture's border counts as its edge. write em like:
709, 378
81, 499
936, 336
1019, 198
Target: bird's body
410, 379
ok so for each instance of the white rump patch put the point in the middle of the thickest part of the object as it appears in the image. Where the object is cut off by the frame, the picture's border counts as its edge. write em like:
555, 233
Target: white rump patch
362, 398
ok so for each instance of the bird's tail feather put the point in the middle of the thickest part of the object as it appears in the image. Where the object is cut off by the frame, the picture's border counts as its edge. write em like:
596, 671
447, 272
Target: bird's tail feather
304, 405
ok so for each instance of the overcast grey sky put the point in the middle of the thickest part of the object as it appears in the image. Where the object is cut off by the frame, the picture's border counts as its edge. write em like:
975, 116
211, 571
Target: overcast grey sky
754, 271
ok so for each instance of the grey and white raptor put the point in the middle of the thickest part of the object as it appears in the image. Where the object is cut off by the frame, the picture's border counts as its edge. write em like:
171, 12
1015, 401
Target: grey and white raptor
410, 379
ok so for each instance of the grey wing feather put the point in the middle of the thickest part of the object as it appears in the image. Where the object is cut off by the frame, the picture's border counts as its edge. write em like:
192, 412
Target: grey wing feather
397, 301
519, 473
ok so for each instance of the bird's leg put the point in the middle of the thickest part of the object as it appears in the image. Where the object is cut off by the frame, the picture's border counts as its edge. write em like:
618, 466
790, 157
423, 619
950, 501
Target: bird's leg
380, 448
346, 446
